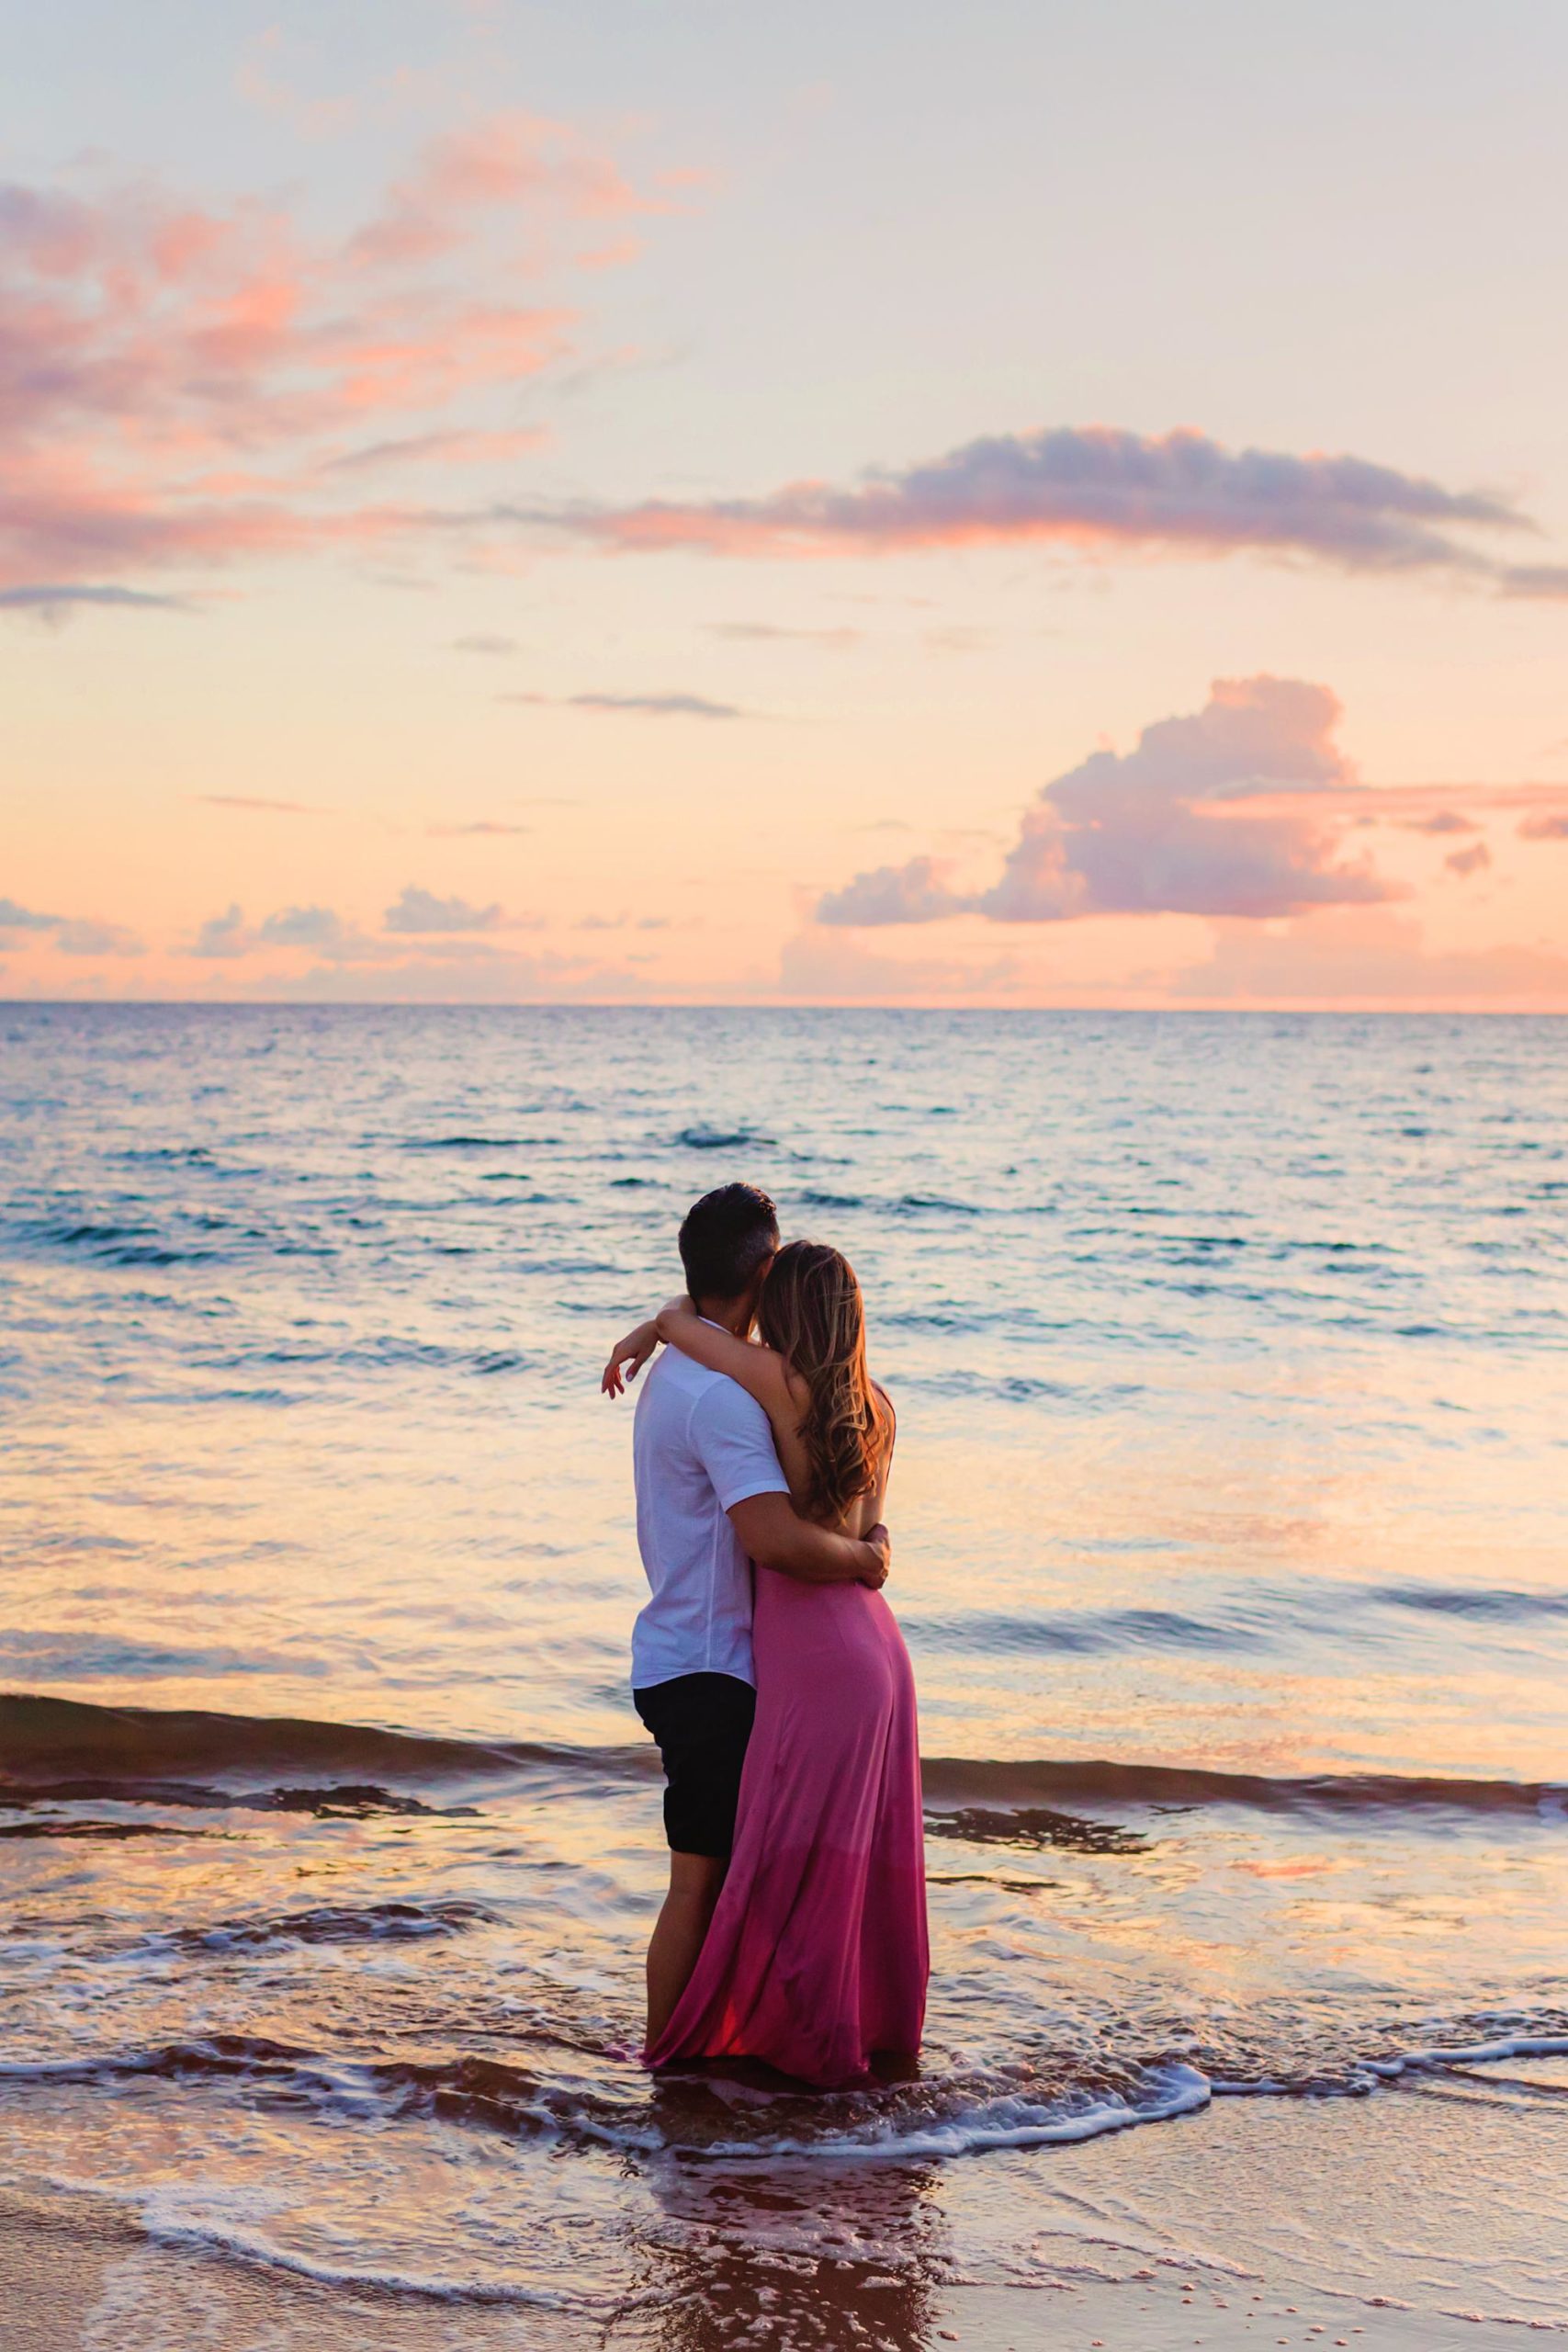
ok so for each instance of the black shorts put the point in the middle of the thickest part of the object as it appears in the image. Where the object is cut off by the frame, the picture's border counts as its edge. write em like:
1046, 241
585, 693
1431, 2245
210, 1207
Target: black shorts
702, 1722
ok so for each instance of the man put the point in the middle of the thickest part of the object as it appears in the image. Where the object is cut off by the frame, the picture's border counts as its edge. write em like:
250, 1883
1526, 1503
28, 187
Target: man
710, 1499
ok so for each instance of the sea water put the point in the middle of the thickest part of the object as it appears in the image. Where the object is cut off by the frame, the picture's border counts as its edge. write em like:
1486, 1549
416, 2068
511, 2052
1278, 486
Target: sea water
1229, 1519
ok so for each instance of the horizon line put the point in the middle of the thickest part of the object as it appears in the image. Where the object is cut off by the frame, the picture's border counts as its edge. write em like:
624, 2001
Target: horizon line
1509, 1010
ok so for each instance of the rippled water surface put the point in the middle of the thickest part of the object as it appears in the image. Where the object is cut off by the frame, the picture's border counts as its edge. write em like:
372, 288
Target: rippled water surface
1230, 1546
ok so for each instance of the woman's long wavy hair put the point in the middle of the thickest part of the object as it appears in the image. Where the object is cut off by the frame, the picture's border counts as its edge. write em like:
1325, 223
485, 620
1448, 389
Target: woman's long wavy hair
811, 1312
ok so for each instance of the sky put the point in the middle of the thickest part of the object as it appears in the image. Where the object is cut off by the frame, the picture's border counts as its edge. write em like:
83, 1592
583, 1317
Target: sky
1025, 505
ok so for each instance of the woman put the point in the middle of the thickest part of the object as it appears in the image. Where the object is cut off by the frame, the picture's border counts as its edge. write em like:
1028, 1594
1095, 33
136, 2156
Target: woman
816, 1956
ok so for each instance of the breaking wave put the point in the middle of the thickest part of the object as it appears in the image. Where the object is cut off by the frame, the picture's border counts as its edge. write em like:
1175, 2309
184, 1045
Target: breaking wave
67, 1749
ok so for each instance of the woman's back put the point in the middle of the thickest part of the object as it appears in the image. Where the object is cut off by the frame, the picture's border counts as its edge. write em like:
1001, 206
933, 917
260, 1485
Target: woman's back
786, 1409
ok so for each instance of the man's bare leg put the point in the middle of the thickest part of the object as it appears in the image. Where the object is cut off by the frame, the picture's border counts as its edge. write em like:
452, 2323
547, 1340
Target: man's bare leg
694, 1883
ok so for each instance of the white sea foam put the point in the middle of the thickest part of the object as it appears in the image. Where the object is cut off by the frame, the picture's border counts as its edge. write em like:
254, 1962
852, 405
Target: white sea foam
1473, 2053
1008, 2121
229, 2220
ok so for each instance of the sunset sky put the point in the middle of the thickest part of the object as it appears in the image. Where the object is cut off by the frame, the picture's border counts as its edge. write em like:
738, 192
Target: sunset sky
1026, 504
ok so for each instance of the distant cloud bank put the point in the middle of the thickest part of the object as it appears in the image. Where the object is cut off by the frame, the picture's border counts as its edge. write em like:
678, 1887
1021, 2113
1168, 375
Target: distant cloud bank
72, 935
422, 911
415, 916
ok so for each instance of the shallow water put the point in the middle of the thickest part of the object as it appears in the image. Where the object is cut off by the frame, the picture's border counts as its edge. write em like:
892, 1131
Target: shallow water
1230, 1550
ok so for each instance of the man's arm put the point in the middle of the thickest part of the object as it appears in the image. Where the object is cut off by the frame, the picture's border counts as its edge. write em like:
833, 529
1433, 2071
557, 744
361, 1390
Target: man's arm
777, 1537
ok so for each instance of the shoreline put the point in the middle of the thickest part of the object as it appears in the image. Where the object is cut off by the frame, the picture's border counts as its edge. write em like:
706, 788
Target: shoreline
1180, 2242
69, 2283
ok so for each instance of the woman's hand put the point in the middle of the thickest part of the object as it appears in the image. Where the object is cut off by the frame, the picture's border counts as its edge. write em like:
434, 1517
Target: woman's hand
627, 1358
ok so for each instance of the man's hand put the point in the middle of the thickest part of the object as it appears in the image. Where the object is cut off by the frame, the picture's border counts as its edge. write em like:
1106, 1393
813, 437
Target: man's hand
775, 1536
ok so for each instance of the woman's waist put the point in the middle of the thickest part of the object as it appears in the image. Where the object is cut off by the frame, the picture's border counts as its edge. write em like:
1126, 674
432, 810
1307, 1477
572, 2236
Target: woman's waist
831, 1612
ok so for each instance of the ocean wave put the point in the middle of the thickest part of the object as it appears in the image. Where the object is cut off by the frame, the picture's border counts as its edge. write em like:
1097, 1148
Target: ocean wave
336, 1801
1498, 2050
1010, 1388
466, 1143
170, 2219
337, 1923
48, 1656
1471, 1600
484, 2093
165, 1155
1161, 1788
46, 1741
1358, 2074
701, 1138
111, 1242
991, 1633
386, 1352
736, 2111
78, 1829
1268, 1619
965, 2118
932, 1203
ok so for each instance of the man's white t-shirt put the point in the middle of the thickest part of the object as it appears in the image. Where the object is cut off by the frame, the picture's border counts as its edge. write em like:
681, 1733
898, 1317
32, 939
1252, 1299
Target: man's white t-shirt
699, 1446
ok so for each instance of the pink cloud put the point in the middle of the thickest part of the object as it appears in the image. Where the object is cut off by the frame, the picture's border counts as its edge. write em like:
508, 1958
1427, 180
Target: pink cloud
1093, 487
181, 385
1465, 862
1552, 826
1173, 826
505, 162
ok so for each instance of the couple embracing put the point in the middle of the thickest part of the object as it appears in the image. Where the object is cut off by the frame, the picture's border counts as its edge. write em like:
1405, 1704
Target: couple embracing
769, 1668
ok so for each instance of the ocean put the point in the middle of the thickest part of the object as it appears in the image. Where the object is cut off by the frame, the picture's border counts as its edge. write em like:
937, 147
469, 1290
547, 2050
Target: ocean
1229, 1523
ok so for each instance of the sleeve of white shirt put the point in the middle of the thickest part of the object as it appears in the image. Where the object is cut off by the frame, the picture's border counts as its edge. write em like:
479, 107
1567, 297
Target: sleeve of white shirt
734, 1442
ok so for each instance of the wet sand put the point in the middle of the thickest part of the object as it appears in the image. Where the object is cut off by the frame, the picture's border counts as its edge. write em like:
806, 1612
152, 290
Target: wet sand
1321, 2223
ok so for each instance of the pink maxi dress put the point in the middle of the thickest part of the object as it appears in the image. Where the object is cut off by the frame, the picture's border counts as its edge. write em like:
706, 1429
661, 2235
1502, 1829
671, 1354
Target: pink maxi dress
818, 1954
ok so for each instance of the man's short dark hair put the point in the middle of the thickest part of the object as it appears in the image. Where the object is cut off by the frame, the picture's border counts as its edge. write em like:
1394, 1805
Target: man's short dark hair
726, 1235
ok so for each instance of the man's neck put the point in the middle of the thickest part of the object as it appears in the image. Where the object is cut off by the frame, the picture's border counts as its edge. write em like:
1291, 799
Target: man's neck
730, 1314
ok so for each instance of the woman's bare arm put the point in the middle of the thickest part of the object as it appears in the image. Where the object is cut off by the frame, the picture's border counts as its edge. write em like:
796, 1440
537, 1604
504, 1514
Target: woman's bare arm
759, 1371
